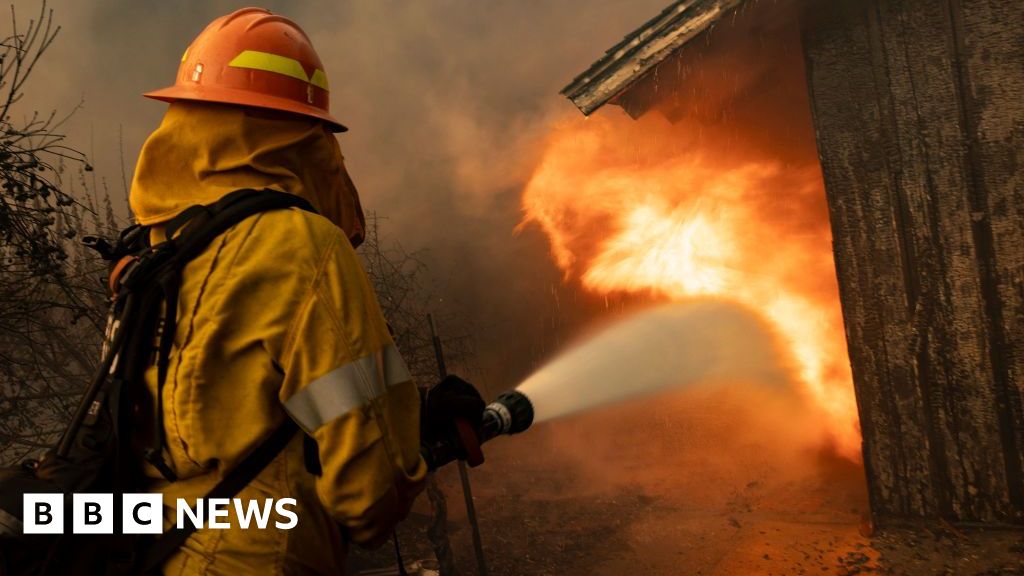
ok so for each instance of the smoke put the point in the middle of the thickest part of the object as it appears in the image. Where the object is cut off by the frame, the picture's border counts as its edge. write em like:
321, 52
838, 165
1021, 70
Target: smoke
670, 346
445, 100
443, 97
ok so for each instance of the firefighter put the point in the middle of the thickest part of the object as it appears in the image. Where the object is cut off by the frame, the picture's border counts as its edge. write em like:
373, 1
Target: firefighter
276, 319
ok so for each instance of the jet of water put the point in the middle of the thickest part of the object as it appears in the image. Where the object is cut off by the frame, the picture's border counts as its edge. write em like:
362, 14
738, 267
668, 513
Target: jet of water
669, 346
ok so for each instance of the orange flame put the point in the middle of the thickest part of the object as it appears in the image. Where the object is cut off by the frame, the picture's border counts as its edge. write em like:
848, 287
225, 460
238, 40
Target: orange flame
646, 207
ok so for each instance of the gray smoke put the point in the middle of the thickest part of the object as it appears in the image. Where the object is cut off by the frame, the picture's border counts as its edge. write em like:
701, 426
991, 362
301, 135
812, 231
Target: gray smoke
445, 99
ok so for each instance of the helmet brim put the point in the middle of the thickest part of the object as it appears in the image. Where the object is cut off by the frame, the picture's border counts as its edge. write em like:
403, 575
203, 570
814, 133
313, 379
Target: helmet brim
243, 98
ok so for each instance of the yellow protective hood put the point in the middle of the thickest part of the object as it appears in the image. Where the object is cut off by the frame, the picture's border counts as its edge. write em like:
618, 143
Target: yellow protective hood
203, 151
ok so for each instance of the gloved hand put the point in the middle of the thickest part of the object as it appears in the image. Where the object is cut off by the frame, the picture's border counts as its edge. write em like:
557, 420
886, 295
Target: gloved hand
449, 400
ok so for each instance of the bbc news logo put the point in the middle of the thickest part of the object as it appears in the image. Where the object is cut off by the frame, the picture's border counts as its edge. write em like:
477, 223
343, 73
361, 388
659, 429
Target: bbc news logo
143, 513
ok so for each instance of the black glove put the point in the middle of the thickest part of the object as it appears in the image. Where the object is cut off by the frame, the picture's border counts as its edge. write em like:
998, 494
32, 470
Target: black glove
449, 400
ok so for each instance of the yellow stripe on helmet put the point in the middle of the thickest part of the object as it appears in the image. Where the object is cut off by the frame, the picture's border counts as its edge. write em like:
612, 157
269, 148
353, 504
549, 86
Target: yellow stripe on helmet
255, 60
319, 80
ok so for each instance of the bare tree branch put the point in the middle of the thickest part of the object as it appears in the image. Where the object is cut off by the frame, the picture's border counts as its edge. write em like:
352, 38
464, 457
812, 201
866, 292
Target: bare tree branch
51, 305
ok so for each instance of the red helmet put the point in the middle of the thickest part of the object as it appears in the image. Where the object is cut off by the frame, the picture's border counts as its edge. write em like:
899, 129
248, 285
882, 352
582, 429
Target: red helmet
252, 57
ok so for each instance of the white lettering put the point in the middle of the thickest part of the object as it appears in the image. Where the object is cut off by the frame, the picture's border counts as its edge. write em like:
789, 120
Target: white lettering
281, 507
195, 516
219, 509
246, 514
92, 514
44, 513
142, 513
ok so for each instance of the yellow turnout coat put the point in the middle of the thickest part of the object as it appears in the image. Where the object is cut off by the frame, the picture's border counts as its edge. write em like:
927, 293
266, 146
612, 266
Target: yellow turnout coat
276, 319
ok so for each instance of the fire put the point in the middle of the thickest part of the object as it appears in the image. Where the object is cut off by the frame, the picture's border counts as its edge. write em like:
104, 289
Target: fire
670, 211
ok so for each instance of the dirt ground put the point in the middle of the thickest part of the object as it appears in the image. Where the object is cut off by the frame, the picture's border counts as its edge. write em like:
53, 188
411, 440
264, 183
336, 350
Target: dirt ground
638, 492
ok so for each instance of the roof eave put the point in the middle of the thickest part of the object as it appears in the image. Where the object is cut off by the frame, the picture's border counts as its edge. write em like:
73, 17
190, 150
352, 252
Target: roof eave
642, 50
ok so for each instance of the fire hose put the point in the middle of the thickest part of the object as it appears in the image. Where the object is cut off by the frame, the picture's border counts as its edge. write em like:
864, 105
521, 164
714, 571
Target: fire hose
510, 413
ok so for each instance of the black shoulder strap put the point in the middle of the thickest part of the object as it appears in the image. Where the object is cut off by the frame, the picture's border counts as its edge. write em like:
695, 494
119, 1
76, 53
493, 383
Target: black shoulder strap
199, 225
169, 542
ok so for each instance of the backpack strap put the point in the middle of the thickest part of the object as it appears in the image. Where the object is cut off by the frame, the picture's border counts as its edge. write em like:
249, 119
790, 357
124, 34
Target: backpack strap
143, 284
199, 226
246, 471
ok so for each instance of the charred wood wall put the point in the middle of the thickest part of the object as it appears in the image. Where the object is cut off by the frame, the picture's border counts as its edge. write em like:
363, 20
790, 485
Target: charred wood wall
919, 112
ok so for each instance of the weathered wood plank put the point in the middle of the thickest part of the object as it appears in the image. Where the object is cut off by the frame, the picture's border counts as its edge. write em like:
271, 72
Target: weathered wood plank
956, 375
989, 37
856, 147
928, 312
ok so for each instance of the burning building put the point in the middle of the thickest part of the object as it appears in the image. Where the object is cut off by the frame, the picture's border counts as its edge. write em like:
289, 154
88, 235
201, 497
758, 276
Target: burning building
850, 170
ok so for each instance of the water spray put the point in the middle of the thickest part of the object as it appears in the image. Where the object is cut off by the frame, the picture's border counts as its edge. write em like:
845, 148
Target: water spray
666, 347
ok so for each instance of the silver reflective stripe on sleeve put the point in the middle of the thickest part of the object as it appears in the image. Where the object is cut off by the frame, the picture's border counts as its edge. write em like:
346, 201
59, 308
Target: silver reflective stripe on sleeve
346, 388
